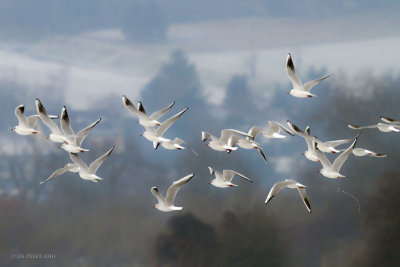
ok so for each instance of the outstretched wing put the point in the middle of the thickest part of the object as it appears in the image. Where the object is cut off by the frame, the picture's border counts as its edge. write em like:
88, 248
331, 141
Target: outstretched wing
291, 72
158, 114
94, 166
275, 126
58, 172
310, 84
337, 164
19, 112
303, 194
227, 133
228, 175
174, 188
166, 124
131, 107
46, 119
81, 135
356, 127
160, 198
278, 187
76, 159
65, 124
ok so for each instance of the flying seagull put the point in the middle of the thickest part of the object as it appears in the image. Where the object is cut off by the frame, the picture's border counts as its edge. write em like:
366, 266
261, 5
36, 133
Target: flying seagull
383, 127
85, 172
26, 125
156, 135
73, 145
299, 89
289, 183
331, 170
224, 179
139, 112
166, 204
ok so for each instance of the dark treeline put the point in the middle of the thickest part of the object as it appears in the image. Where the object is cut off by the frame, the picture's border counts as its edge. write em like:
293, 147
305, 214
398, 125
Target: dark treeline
113, 223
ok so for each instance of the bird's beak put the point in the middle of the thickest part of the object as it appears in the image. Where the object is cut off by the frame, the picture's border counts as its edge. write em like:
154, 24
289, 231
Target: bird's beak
288, 93
12, 129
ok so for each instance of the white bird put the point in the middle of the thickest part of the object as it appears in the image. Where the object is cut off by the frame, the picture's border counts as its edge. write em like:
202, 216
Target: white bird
272, 132
390, 120
56, 134
246, 144
289, 183
156, 135
327, 147
73, 145
139, 112
331, 170
383, 127
299, 89
221, 143
166, 204
26, 125
224, 179
176, 144
361, 152
85, 172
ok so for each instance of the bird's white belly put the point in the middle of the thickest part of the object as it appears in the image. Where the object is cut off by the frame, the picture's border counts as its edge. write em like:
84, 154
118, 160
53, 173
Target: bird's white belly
331, 174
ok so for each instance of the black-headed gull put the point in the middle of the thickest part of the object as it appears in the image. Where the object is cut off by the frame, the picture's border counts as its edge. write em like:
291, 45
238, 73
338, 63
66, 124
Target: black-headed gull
26, 125
289, 183
221, 143
177, 144
327, 147
246, 144
85, 172
224, 179
272, 132
156, 135
73, 145
56, 135
299, 89
166, 203
383, 127
331, 170
139, 112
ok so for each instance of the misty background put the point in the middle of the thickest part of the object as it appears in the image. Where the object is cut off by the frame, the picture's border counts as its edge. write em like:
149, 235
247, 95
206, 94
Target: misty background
225, 60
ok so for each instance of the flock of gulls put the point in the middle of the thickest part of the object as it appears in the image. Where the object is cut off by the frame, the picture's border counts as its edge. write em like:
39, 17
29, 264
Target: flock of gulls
230, 140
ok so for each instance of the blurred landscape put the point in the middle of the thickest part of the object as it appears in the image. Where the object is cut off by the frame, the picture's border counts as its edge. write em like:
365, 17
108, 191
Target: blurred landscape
224, 60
